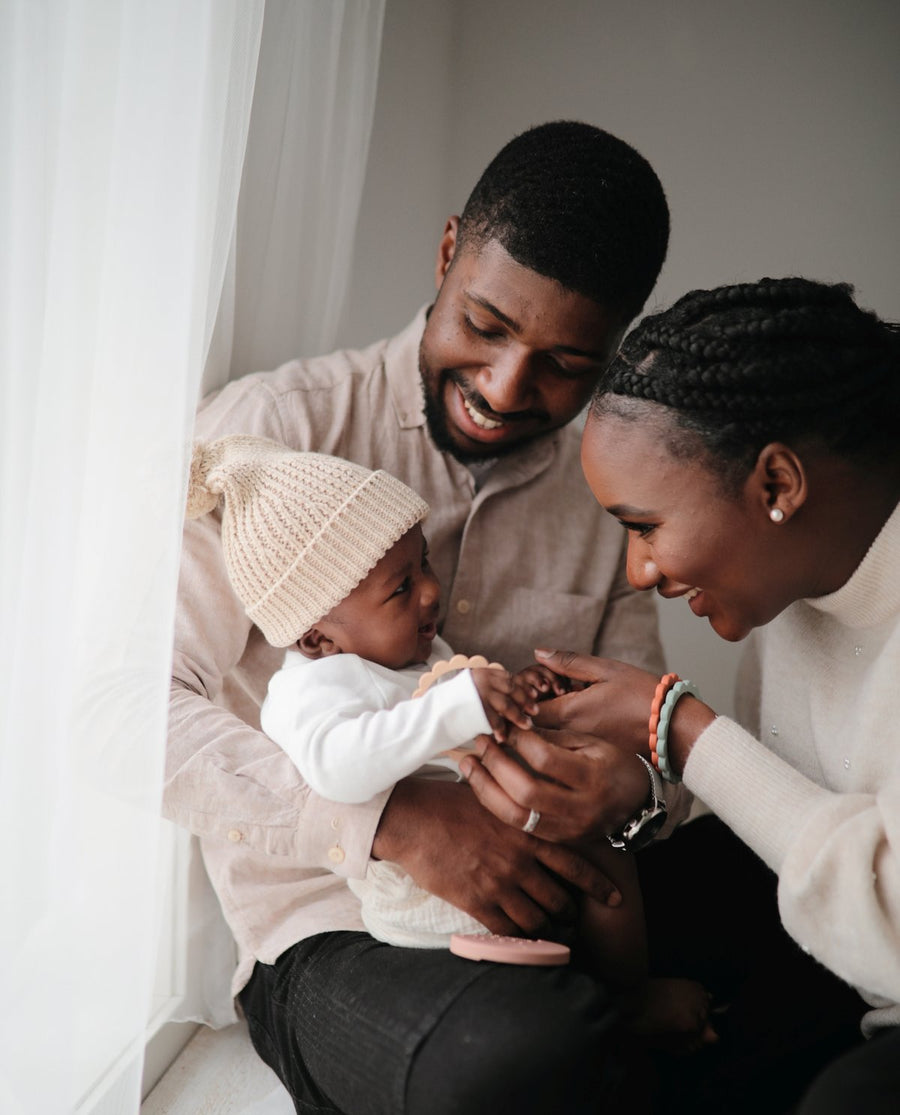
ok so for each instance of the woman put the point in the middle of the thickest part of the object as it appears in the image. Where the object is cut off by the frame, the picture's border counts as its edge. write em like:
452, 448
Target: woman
747, 440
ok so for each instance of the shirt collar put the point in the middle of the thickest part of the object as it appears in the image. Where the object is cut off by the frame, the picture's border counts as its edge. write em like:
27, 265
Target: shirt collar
401, 369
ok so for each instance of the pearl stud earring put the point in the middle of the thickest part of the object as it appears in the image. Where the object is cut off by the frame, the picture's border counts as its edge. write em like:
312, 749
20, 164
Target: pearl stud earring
776, 514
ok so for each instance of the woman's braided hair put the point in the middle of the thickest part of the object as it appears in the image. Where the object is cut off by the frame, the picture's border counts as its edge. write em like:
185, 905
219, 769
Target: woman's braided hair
787, 360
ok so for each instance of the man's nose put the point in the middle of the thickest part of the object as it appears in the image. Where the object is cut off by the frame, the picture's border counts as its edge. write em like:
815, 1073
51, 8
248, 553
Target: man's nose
507, 383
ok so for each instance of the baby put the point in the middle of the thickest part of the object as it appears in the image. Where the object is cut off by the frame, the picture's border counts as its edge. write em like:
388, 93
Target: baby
329, 561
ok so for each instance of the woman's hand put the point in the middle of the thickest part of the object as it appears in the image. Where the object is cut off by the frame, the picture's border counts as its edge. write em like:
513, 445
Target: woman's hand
581, 786
614, 705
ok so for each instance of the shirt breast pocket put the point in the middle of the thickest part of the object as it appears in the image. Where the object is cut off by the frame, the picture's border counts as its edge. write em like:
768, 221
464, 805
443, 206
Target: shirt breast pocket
539, 618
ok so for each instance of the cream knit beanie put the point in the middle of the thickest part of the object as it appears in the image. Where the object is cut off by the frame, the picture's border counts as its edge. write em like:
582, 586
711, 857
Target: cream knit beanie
299, 530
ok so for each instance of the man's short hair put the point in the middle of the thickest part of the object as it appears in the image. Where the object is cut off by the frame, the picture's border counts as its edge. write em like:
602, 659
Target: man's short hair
577, 205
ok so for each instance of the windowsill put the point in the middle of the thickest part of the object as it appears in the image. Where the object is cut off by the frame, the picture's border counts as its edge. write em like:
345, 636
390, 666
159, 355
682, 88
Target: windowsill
218, 1073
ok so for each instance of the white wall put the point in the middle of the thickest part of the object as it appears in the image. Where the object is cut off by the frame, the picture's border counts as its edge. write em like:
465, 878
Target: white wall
772, 125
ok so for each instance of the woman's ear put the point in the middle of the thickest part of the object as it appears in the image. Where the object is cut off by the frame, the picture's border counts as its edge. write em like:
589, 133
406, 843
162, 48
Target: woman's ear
446, 251
780, 481
316, 644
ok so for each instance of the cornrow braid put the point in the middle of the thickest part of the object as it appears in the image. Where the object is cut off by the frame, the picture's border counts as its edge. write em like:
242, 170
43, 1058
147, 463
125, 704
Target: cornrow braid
578, 205
781, 359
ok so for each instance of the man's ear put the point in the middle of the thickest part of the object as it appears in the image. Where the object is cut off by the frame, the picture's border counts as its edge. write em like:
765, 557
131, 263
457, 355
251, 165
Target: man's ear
315, 644
446, 251
780, 481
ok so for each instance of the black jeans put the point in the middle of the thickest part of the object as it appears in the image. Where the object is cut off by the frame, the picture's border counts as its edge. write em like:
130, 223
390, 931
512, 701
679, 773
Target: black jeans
356, 1027
359, 1028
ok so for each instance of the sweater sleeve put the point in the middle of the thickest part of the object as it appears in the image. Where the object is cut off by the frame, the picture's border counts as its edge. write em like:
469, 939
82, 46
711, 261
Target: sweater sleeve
837, 855
352, 733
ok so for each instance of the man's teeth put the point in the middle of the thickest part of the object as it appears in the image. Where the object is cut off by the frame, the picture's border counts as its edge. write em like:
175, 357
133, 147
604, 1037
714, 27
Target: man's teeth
479, 419
691, 593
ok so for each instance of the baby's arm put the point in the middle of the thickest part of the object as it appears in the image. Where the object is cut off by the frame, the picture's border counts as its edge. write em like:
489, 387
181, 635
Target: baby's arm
352, 732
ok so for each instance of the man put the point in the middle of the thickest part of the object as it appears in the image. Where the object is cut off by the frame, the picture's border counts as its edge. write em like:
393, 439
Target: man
471, 405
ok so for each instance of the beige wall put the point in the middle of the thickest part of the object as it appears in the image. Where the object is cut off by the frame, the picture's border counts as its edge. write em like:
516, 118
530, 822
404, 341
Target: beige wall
773, 127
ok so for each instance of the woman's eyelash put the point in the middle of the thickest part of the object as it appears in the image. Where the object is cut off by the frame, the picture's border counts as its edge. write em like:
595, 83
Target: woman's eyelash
643, 529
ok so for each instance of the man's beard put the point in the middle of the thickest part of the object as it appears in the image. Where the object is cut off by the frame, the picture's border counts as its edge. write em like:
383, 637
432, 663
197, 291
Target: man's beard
436, 418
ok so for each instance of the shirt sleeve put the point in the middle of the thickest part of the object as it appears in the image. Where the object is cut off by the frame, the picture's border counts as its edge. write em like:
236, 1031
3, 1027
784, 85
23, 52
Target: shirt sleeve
837, 855
223, 775
353, 734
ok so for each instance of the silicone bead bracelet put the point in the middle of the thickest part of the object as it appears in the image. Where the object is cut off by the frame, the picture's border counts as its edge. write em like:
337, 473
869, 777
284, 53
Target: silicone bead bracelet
678, 690
664, 685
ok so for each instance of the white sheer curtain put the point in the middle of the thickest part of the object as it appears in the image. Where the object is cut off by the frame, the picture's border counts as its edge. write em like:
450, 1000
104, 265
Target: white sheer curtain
303, 179
123, 127
123, 132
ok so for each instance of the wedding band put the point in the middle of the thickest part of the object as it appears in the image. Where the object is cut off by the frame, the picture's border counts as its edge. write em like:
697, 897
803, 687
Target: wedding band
532, 823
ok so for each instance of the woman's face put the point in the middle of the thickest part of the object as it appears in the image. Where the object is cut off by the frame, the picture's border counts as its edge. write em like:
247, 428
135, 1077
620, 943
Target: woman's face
687, 536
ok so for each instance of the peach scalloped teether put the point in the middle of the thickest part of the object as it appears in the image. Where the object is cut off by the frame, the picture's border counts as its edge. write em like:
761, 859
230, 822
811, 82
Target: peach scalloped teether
457, 662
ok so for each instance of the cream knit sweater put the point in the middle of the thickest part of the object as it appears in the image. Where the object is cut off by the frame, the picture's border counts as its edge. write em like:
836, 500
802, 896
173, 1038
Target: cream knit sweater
817, 794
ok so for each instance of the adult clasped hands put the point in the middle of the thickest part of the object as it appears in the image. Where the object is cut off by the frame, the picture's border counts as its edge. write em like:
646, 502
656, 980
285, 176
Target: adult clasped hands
577, 766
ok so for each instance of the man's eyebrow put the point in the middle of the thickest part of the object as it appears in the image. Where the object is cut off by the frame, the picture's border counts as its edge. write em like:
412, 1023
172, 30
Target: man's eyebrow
511, 323
492, 309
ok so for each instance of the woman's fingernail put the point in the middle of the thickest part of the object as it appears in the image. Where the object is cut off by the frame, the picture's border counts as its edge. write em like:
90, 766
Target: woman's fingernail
542, 652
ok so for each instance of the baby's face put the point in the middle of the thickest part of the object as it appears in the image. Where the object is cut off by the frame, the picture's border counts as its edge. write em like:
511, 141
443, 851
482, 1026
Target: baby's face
390, 617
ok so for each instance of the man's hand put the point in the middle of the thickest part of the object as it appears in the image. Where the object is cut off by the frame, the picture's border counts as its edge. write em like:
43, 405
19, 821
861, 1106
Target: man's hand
581, 786
510, 881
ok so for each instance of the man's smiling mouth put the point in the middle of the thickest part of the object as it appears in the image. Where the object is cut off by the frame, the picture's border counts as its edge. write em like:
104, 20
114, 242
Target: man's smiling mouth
480, 419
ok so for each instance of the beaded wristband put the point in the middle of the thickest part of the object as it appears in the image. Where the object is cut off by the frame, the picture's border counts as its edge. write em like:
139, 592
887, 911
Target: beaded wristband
457, 662
678, 690
662, 688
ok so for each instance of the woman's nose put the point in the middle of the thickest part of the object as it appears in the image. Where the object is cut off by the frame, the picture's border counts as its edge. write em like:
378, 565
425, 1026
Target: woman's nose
640, 567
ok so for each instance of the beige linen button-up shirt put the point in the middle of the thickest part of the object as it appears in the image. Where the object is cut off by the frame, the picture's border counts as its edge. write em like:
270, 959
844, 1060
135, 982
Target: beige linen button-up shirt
528, 559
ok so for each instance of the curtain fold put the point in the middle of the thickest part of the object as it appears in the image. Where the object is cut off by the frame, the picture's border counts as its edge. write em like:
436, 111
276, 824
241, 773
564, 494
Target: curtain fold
302, 184
123, 129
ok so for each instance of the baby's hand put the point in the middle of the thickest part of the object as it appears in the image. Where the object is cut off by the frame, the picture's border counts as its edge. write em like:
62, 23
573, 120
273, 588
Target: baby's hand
542, 682
506, 700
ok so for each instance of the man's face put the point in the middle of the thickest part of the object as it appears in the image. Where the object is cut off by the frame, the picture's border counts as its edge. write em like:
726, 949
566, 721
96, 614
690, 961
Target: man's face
507, 354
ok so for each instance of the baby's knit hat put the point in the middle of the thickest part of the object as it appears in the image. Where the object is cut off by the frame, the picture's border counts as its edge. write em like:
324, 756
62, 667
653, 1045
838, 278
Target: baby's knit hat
299, 530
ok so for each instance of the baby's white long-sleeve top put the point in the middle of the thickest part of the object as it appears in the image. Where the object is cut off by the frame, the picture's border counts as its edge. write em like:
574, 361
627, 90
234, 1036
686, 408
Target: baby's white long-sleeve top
351, 727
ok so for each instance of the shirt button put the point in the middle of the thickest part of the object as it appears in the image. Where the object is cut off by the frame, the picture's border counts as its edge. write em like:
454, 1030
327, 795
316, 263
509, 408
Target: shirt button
336, 854
463, 607
235, 836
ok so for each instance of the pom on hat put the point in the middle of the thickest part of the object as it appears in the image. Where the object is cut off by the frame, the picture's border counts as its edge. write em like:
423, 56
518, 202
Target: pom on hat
200, 498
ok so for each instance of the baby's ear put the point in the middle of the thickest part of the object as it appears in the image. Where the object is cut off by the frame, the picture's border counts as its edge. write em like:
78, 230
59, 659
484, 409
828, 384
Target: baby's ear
315, 644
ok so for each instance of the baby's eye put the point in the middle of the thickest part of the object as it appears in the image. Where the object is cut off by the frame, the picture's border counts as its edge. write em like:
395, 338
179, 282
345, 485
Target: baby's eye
401, 588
